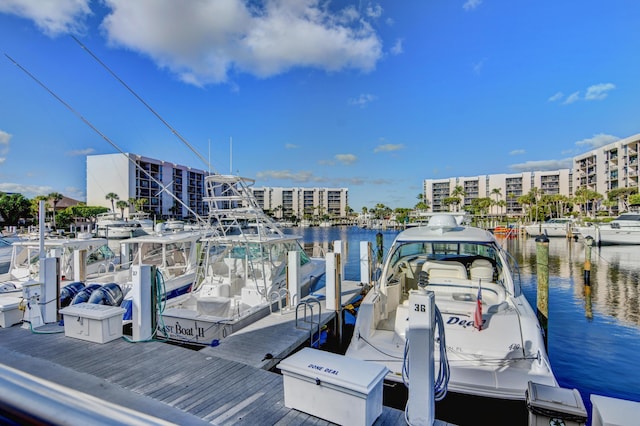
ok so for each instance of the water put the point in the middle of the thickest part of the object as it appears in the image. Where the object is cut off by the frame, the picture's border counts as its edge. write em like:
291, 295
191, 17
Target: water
593, 343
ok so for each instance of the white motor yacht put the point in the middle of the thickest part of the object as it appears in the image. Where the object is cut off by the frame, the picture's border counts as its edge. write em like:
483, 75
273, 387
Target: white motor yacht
625, 229
494, 342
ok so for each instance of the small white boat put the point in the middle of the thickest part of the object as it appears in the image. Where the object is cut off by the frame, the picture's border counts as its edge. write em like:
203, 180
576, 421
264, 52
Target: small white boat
243, 273
142, 220
556, 227
465, 268
111, 225
625, 229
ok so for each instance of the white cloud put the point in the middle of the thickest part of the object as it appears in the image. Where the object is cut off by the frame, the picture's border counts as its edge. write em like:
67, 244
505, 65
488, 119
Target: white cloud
477, 67
362, 100
204, 41
542, 165
388, 147
597, 141
471, 4
28, 191
598, 92
5, 137
80, 152
302, 176
346, 158
575, 96
291, 146
396, 49
517, 152
53, 17
556, 97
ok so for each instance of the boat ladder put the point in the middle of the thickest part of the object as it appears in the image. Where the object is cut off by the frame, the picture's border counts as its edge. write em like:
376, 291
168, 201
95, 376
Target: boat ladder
309, 320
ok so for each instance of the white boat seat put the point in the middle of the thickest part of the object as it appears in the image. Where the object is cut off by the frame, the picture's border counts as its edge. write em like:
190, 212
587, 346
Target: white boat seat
444, 269
481, 269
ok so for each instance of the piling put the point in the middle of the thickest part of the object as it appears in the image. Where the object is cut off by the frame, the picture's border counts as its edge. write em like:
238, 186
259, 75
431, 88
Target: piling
587, 277
380, 247
542, 271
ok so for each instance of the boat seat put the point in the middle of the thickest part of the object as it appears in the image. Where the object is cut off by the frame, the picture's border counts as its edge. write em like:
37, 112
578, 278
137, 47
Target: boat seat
444, 269
481, 269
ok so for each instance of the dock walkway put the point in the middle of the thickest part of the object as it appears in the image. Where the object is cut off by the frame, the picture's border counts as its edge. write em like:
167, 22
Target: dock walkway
223, 385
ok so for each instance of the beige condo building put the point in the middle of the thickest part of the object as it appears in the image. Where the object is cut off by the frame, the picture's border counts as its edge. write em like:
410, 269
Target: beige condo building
612, 166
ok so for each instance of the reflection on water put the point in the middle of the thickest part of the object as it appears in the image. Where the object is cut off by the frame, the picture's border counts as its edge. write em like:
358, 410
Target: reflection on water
614, 277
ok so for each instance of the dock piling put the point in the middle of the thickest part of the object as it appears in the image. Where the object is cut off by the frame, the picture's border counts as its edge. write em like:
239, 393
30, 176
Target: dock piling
542, 272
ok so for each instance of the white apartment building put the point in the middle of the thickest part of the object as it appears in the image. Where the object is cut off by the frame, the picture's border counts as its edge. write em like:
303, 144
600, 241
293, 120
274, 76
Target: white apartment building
138, 177
609, 167
508, 186
300, 202
135, 176
602, 169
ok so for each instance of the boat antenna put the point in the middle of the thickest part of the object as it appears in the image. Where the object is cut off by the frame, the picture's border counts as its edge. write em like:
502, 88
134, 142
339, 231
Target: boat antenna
95, 129
173, 130
230, 155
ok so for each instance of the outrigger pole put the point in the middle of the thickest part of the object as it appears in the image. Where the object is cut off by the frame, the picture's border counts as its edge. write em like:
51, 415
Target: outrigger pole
105, 137
173, 130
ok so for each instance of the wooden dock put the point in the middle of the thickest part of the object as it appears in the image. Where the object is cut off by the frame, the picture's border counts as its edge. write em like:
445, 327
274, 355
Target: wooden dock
223, 385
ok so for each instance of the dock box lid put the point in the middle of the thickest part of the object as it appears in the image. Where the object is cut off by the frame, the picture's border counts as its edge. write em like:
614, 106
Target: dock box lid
338, 370
92, 311
9, 303
553, 401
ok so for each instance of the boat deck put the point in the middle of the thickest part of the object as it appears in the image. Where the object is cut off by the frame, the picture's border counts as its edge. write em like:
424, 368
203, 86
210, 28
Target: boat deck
226, 384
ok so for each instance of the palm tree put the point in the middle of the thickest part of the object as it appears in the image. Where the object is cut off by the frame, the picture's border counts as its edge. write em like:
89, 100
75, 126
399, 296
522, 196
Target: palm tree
112, 196
498, 194
122, 205
458, 192
55, 198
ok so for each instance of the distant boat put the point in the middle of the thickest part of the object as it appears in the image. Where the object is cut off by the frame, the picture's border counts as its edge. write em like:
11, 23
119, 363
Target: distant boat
111, 225
556, 227
625, 229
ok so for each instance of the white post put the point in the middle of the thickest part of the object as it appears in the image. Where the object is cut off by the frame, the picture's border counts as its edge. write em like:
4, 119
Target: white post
79, 265
341, 248
333, 281
421, 404
51, 288
141, 312
293, 277
365, 262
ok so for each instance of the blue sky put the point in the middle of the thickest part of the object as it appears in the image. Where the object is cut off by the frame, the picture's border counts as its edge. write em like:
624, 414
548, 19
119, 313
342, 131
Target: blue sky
372, 96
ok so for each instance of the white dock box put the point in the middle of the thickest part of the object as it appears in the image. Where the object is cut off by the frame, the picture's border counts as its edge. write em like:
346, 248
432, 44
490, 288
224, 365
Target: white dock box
10, 312
95, 323
549, 403
333, 387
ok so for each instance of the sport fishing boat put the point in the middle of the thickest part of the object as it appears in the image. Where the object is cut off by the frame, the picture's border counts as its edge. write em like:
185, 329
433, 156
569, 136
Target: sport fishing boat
242, 275
494, 342
25, 266
111, 225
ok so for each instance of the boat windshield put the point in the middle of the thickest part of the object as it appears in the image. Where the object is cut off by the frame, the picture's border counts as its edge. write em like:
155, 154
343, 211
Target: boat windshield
463, 252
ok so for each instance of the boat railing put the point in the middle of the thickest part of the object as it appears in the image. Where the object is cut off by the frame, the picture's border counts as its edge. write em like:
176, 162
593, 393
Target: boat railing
278, 295
309, 321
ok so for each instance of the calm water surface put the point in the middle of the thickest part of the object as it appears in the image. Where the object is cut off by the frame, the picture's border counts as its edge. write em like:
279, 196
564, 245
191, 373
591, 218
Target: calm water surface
594, 342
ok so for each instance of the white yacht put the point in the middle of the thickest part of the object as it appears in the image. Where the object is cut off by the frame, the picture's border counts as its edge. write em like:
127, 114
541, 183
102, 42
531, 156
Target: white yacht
111, 225
555, 227
494, 342
625, 229
242, 276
